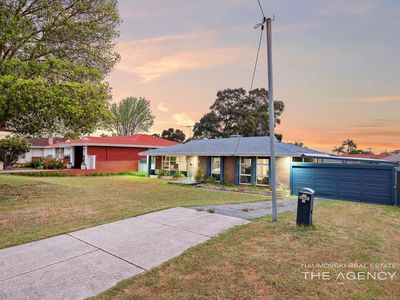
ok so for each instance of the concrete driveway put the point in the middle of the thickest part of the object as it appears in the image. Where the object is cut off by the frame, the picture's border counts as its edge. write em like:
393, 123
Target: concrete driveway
84, 263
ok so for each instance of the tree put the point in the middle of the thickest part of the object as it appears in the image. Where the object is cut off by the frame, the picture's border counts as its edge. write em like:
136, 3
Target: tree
236, 112
172, 134
11, 148
350, 145
338, 150
131, 116
54, 55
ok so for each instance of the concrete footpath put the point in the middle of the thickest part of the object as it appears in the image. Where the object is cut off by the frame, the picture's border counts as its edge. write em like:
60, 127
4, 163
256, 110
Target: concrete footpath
87, 262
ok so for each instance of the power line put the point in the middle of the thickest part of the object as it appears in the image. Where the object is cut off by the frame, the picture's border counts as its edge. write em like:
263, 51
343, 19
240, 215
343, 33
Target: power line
258, 52
262, 11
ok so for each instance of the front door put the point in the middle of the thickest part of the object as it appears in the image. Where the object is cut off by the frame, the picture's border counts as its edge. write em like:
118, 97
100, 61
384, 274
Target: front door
78, 157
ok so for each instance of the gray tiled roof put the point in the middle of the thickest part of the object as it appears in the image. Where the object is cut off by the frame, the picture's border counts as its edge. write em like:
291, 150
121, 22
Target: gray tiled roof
235, 146
394, 158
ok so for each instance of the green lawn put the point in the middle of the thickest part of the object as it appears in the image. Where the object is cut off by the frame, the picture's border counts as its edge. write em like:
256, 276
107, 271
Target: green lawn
263, 260
33, 208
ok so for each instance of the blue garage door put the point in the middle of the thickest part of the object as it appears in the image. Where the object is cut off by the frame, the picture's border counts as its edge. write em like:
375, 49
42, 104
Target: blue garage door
364, 183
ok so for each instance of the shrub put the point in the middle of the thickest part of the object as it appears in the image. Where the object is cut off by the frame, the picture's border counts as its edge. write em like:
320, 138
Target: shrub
199, 176
211, 180
161, 173
35, 163
53, 163
177, 174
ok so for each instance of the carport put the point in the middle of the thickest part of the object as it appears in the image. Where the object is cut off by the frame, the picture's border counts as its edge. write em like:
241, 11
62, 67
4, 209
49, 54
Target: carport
343, 178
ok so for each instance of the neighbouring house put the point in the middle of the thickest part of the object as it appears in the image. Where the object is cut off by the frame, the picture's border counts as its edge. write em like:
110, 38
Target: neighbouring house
368, 155
246, 161
44, 147
113, 154
394, 157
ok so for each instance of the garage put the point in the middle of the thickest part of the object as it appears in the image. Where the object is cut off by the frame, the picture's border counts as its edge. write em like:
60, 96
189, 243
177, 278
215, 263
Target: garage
345, 179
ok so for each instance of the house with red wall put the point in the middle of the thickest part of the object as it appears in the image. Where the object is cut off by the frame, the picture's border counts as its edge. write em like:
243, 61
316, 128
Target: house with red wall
112, 154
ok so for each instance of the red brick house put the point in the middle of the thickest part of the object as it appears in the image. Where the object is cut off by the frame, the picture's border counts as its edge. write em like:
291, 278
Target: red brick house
113, 154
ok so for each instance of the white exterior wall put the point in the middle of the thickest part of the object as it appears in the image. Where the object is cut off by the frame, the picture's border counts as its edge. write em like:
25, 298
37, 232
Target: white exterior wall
49, 152
42, 152
37, 152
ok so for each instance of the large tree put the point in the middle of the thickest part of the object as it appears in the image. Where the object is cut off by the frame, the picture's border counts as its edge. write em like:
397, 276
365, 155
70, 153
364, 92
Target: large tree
54, 55
130, 116
175, 135
236, 112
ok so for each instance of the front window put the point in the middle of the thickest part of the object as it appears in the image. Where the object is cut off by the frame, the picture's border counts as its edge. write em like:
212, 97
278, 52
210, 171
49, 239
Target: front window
245, 170
216, 168
60, 153
262, 171
171, 164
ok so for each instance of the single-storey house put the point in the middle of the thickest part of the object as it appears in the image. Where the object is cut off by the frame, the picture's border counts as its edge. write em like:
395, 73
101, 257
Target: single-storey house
113, 154
246, 161
44, 147
237, 160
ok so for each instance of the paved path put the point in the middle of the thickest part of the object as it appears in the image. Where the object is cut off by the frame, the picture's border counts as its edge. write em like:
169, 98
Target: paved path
253, 209
86, 262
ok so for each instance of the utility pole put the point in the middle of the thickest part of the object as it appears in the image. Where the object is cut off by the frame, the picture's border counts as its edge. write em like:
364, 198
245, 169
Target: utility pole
190, 129
272, 173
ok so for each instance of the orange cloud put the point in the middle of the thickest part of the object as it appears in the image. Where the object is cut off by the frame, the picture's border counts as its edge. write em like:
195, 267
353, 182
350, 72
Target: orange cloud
161, 106
153, 58
380, 99
182, 119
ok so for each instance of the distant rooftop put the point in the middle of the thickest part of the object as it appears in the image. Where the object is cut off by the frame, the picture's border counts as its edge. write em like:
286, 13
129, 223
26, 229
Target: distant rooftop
44, 142
136, 140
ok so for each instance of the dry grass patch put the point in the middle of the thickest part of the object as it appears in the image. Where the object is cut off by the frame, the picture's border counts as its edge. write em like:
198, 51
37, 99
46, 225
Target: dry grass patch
33, 208
263, 260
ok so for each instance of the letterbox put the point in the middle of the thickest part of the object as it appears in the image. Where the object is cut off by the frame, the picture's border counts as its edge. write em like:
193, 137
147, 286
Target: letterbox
305, 206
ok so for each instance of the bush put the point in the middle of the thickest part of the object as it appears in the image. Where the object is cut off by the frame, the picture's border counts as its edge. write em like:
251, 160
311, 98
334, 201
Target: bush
177, 174
211, 180
53, 163
35, 163
199, 176
161, 173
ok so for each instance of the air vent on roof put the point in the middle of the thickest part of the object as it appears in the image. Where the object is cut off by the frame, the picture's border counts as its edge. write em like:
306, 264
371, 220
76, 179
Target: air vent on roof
235, 136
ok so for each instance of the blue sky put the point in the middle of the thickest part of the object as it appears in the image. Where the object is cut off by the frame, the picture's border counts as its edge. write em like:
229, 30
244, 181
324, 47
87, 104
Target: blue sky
336, 64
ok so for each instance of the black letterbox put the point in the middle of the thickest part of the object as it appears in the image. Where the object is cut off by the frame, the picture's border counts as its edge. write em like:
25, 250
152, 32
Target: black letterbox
305, 206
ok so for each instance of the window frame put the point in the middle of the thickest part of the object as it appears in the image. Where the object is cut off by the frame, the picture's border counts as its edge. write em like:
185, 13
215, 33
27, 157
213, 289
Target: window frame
171, 160
244, 174
218, 179
264, 164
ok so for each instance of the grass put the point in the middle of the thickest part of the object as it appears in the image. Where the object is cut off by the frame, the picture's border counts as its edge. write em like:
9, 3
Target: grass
33, 208
265, 260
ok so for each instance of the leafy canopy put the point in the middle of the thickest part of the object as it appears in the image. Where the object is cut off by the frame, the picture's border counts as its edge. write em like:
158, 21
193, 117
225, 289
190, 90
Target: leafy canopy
54, 55
236, 112
11, 148
175, 135
131, 116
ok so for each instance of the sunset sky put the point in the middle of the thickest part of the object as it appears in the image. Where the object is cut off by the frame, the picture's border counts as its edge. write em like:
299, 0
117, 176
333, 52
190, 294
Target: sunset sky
336, 64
